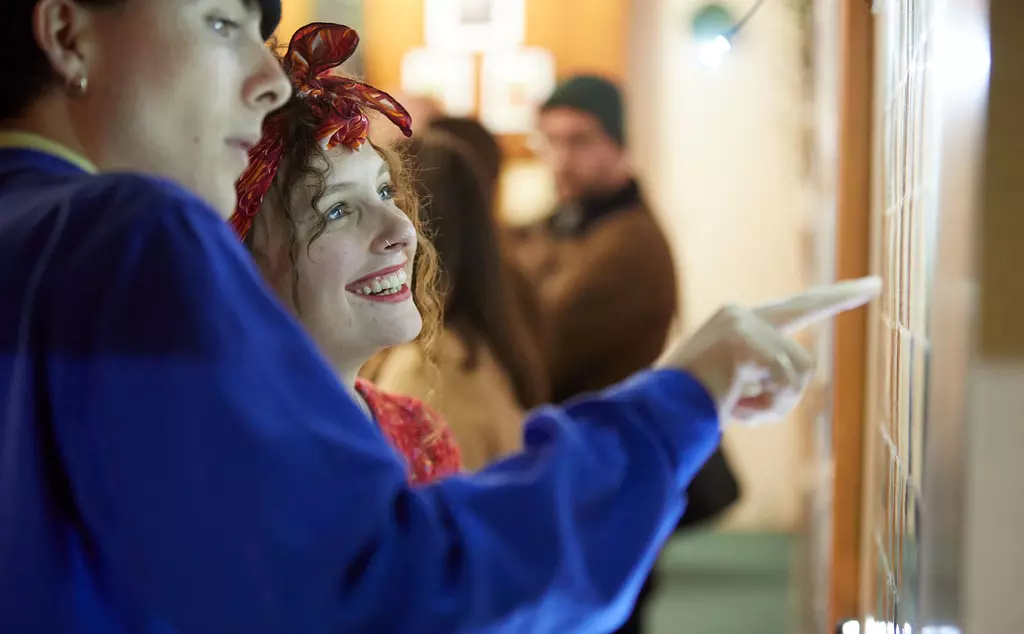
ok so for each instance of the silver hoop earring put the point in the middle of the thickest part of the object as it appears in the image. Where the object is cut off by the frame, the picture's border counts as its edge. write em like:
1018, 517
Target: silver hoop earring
78, 87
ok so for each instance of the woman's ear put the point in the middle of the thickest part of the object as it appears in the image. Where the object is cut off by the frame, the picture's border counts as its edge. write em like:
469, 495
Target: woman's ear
64, 30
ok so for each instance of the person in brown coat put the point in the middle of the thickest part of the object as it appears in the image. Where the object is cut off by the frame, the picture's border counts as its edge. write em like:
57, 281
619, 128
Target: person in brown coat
604, 270
601, 263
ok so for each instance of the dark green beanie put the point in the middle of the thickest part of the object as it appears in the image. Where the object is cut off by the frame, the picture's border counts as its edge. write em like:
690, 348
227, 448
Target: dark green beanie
595, 96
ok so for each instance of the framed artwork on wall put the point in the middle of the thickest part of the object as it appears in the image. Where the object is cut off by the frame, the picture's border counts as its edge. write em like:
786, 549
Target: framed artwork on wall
474, 25
448, 76
513, 84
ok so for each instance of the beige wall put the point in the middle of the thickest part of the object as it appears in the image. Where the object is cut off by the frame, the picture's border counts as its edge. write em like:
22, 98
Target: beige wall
993, 553
720, 153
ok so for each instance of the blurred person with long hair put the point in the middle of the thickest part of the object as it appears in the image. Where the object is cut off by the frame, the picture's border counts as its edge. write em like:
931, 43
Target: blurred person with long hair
482, 145
489, 160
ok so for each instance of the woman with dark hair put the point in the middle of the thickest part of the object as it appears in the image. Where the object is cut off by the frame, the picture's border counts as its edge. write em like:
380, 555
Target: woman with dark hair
488, 158
177, 456
484, 147
489, 370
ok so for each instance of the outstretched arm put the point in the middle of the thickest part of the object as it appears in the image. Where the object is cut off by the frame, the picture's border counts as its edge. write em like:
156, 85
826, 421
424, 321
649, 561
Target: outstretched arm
228, 484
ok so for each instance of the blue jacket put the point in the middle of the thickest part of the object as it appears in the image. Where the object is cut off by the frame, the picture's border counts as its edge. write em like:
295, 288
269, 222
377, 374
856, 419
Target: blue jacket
176, 457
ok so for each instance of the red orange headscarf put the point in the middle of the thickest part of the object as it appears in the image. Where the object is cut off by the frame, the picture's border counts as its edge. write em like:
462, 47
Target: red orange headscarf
339, 103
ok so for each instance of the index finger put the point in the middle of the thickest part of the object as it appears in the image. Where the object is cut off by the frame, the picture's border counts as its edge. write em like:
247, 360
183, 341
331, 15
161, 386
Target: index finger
818, 304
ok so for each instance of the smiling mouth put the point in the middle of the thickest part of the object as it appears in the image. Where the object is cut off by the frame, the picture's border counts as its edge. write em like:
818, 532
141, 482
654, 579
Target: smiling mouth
383, 285
390, 285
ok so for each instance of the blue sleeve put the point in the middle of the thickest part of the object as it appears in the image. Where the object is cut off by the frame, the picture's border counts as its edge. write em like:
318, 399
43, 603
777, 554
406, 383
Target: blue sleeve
228, 484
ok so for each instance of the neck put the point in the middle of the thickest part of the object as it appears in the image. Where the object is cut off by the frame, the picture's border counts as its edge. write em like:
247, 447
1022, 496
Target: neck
617, 183
50, 119
613, 190
348, 374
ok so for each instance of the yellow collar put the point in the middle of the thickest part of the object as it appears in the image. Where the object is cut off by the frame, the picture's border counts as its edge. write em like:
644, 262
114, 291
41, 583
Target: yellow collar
32, 141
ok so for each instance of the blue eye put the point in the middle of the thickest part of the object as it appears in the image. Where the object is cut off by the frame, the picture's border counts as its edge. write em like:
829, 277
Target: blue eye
387, 192
223, 26
337, 212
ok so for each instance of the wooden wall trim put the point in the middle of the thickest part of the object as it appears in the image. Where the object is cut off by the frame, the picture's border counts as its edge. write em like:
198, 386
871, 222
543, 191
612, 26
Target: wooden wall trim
853, 224
294, 15
1002, 223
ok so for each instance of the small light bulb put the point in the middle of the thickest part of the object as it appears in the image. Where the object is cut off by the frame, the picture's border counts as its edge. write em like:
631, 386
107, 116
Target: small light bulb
711, 52
851, 627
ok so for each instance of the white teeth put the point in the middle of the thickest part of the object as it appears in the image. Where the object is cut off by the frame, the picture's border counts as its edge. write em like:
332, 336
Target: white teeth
387, 284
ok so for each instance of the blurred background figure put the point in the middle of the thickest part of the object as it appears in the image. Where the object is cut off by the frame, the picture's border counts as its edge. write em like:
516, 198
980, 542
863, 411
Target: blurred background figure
487, 156
487, 368
601, 262
481, 143
604, 270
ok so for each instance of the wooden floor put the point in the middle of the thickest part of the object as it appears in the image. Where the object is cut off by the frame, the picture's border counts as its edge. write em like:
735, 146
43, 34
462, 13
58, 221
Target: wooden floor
726, 583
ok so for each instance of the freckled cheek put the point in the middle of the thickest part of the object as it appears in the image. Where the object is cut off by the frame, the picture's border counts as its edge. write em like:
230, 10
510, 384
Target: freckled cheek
332, 267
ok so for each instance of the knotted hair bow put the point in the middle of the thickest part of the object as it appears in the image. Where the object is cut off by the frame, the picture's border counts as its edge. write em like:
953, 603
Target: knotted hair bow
340, 105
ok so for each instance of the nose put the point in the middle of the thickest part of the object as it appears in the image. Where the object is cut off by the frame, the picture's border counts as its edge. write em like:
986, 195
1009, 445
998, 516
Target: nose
396, 235
268, 88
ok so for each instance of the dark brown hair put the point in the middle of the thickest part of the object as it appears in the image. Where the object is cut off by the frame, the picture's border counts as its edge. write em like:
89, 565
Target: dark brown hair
484, 145
305, 158
479, 300
25, 73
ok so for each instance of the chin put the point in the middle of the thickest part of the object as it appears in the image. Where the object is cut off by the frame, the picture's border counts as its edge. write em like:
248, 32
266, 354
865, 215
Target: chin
406, 331
219, 194
390, 334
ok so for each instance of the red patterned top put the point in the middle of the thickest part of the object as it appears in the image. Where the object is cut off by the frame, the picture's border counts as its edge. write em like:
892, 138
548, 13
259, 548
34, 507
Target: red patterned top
416, 431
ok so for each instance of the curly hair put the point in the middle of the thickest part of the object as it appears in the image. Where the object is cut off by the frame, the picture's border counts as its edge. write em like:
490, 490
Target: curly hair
305, 158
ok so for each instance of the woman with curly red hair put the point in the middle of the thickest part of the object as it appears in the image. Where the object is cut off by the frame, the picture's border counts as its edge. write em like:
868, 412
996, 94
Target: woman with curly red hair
333, 225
